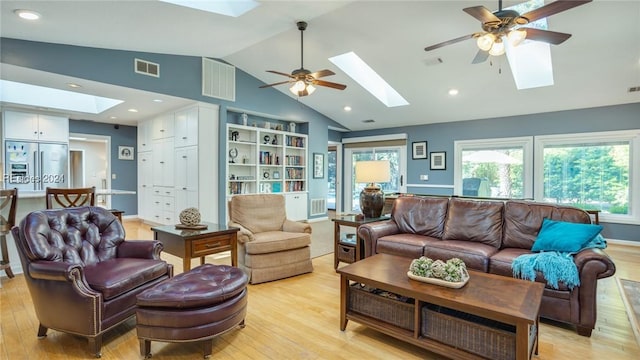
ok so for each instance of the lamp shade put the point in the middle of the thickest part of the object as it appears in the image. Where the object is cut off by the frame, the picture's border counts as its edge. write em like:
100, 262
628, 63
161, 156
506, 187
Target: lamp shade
374, 171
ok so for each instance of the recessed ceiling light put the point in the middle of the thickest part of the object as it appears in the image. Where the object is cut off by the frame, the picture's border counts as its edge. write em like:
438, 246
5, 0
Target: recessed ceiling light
157, 100
74, 85
347, 108
113, 117
133, 110
27, 14
453, 92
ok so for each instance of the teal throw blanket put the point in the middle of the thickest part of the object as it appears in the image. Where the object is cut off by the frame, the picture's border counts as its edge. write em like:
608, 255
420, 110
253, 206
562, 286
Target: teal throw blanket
555, 266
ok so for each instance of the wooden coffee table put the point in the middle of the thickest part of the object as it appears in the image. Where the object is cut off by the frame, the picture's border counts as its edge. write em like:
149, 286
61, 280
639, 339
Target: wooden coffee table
502, 299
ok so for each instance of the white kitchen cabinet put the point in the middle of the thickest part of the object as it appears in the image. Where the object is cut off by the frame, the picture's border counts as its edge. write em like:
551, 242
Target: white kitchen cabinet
163, 168
192, 179
144, 136
186, 183
296, 206
186, 127
28, 126
145, 185
162, 126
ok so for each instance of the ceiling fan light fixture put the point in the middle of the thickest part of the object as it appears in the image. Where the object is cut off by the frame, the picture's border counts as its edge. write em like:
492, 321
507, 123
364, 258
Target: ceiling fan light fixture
310, 89
297, 87
516, 37
485, 41
497, 48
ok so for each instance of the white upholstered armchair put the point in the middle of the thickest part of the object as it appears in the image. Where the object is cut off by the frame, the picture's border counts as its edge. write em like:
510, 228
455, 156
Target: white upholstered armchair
270, 247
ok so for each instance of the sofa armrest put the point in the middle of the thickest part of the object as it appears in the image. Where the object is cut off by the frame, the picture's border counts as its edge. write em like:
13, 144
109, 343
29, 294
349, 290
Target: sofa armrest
594, 264
142, 249
296, 227
371, 232
61, 272
244, 235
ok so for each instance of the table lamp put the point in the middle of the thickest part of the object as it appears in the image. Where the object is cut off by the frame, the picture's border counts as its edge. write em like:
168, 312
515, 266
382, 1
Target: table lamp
371, 197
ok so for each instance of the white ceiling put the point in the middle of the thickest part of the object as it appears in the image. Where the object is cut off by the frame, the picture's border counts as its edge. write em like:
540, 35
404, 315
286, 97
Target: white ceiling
595, 67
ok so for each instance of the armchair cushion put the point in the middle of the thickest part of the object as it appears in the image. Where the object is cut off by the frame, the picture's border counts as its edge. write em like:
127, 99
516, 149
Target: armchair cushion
274, 241
259, 213
115, 277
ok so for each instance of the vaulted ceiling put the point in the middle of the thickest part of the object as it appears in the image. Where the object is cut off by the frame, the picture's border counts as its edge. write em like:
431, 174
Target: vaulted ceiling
595, 67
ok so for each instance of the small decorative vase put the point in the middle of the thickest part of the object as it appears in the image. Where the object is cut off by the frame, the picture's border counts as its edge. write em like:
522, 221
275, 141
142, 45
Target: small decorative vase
245, 119
292, 127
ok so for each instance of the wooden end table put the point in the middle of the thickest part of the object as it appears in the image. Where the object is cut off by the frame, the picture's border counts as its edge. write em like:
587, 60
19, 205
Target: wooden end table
353, 248
188, 244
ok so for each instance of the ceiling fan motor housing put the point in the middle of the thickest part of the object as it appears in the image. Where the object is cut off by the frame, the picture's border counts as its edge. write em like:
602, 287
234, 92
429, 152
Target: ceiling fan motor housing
508, 19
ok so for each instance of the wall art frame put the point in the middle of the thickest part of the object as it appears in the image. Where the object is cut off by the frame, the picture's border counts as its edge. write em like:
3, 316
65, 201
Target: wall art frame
419, 150
438, 160
125, 153
318, 165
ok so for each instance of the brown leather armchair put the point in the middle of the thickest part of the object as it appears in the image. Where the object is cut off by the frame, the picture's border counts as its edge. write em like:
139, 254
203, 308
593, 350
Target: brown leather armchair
82, 275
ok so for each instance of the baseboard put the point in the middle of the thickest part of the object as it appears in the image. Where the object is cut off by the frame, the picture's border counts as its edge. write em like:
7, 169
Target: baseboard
324, 218
623, 242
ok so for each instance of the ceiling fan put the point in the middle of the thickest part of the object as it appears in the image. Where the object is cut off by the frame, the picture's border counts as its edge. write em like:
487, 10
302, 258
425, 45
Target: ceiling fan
507, 24
302, 79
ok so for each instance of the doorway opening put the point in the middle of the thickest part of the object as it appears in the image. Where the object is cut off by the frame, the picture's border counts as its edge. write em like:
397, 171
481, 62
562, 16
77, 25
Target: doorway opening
89, 164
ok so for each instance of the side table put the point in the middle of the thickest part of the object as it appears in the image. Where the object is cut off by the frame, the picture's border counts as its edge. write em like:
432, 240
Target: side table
189, 244
349, 250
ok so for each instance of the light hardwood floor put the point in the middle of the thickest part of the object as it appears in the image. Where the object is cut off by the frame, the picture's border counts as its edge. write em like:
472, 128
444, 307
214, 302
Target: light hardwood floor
298, 318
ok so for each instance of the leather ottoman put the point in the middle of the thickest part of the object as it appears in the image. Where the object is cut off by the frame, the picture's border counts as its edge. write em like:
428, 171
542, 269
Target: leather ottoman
192, 306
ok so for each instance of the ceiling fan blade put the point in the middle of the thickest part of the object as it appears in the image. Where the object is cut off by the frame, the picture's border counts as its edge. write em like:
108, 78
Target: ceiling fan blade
274, 84
481, 13
281, 73
481, 56
449, 42
330, 84
322, 73
551, 37
553, 8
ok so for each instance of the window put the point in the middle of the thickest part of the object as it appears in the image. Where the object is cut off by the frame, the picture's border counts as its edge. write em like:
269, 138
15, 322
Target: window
498, 168
591, 171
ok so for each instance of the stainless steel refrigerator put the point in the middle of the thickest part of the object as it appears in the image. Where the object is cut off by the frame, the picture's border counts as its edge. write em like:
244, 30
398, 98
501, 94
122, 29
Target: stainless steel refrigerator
33, 166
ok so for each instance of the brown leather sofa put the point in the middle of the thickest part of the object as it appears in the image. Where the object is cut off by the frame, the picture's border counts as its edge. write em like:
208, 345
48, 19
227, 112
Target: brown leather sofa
82, 275
487, 235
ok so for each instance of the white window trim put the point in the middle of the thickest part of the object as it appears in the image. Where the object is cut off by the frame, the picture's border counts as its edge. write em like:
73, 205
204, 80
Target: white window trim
632, 136
526, 142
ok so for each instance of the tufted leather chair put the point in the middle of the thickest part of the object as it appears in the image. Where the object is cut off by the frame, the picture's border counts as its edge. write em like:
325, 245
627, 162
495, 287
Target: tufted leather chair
82, 275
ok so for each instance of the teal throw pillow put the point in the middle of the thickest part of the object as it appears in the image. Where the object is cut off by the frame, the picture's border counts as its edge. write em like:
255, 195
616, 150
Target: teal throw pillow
564, 236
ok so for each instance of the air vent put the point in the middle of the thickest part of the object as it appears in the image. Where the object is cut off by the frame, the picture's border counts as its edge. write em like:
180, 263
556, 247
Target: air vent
218, 80
368, 121
318, 206
634, 89
146, 68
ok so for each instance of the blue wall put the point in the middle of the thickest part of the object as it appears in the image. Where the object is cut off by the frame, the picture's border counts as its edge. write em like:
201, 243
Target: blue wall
126, 170
441, 137
181, 77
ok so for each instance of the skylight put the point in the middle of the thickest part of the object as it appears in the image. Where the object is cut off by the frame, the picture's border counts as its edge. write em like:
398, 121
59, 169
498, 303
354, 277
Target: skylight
229, 8
364, 75
530, 61
32, 95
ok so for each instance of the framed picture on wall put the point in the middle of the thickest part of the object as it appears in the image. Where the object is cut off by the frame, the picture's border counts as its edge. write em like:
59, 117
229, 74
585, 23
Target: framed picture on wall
438, 160
125, 152
318, 165
419, 150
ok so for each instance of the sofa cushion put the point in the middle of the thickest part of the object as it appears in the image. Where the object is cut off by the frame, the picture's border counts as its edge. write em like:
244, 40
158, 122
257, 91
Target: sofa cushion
114, 277
258, 212
475, 255
407, 245
273, 241
523, 219
473, 220
420, 215
564, 236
